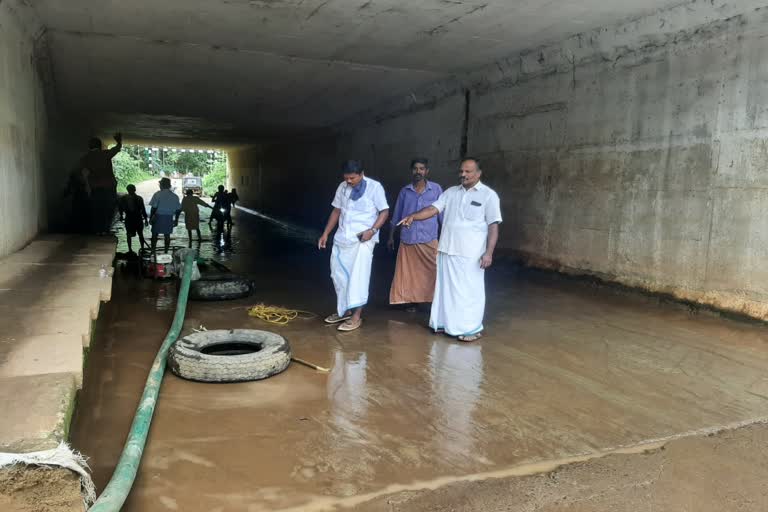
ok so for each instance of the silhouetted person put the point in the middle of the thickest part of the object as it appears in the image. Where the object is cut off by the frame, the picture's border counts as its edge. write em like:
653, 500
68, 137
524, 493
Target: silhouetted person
134, 214
189, 205
102, 182
80, 190
233, 199
165, 205
222, 208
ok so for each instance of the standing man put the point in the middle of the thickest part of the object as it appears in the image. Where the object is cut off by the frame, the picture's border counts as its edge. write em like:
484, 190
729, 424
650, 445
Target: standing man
360, 208
102, 182
189, 205
471, 218
416, 267
134, 214
222, 208
165, 204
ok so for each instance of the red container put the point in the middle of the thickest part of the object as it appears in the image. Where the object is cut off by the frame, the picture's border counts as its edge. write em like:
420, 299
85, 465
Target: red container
151, 268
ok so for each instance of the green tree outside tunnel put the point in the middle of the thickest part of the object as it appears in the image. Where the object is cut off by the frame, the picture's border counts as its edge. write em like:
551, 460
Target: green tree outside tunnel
128, 170
138, 163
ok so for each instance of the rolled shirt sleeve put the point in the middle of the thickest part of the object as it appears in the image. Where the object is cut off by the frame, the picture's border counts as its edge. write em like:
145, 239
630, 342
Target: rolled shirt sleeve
493, 209
396, 217
338, 198
440, 203
380, 199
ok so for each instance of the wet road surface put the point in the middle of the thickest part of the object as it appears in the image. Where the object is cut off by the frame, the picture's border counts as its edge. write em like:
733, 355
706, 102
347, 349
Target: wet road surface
565, 370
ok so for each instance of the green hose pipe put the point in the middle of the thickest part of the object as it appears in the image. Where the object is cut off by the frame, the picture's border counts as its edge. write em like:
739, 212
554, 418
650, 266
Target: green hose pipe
116, 492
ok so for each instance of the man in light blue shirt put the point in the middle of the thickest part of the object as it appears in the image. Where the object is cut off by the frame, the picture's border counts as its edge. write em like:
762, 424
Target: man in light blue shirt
165, 205
416, 267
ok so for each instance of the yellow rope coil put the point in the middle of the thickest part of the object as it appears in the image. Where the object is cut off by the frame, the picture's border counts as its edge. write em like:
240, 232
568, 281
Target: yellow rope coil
276, 314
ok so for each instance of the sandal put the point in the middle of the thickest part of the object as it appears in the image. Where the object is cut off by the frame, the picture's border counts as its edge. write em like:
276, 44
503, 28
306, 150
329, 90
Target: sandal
335, 319
467, 338
350, 325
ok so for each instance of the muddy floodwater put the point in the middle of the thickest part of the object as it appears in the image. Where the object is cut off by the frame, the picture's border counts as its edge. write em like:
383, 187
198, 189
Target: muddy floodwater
565, 370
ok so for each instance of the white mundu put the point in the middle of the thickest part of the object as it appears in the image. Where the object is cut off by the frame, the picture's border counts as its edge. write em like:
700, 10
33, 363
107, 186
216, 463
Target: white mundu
351, 259
459, 303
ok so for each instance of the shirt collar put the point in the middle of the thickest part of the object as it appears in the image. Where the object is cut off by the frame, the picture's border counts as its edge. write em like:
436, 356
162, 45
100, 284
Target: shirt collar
349, 187
428, 187
478, 186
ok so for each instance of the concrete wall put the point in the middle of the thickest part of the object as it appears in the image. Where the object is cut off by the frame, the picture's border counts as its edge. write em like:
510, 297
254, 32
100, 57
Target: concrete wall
433, 130
297, 179
635, 152
638, 155
293, 180
22, 129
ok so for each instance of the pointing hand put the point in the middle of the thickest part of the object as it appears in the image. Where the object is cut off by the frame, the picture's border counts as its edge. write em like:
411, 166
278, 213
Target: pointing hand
406, 221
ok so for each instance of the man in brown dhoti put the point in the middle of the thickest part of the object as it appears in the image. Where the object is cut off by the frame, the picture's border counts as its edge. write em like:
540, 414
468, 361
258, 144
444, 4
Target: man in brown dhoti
416, 268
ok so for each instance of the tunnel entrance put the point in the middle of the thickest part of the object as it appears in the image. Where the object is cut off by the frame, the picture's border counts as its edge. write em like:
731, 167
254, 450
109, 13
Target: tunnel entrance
143, 163
624, 143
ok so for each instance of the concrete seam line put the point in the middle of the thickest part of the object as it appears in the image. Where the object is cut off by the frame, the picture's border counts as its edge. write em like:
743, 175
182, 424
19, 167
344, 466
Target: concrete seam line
326, 503
361, 66
116, 491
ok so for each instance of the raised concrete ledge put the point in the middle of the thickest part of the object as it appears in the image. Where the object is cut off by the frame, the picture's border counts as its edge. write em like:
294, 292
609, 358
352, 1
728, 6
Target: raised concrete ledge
36, 411
50, 293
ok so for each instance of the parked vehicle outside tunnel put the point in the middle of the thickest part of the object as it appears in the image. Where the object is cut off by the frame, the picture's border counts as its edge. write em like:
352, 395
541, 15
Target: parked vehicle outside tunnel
193, 183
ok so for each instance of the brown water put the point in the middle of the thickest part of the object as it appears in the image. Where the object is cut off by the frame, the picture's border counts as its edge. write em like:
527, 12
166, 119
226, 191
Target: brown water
564, 370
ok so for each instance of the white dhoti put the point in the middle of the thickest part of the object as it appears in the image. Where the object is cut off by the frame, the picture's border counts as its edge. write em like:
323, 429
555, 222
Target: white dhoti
459, 302
351, 274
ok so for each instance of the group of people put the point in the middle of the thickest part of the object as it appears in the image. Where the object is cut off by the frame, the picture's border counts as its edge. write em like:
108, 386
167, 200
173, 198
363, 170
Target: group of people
447, 241
166, 209
447, 238
93, 187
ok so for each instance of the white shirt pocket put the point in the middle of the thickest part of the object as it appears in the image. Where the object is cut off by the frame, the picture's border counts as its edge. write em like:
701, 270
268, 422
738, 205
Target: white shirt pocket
362, 205
474, 211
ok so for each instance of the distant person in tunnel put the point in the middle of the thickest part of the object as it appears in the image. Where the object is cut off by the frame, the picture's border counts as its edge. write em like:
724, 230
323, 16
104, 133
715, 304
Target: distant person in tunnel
134, 214
360, 209
416, 266
233, 199
222, 209
165, 205
189, 206
102, 182
471, 218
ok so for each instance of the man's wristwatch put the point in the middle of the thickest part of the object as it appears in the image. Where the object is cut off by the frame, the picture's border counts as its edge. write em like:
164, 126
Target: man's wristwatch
374, 230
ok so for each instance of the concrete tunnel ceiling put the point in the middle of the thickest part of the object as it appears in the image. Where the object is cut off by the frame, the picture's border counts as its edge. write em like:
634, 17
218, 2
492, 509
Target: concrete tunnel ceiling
228, 69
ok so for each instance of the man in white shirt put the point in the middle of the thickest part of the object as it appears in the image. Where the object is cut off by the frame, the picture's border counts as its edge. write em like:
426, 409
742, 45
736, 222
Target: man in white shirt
471, 218
360, 209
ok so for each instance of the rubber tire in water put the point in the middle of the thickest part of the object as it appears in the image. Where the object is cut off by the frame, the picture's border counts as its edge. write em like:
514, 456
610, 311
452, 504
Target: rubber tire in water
220, 287
187, 360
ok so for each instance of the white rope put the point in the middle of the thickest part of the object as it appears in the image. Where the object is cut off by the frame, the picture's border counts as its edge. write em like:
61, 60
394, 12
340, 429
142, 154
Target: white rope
61, 456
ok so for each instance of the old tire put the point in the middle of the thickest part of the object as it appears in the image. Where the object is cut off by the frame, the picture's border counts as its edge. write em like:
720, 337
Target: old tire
194, 356
220, 287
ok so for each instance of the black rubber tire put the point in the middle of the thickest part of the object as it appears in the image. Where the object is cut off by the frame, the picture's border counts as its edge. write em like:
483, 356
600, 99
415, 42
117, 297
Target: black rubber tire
187, 360
220, 287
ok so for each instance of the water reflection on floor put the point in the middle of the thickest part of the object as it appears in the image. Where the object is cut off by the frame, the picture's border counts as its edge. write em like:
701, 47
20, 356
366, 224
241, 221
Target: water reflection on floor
564, 370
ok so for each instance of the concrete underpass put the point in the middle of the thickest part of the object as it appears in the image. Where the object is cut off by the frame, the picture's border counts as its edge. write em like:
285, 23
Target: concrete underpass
623, 364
